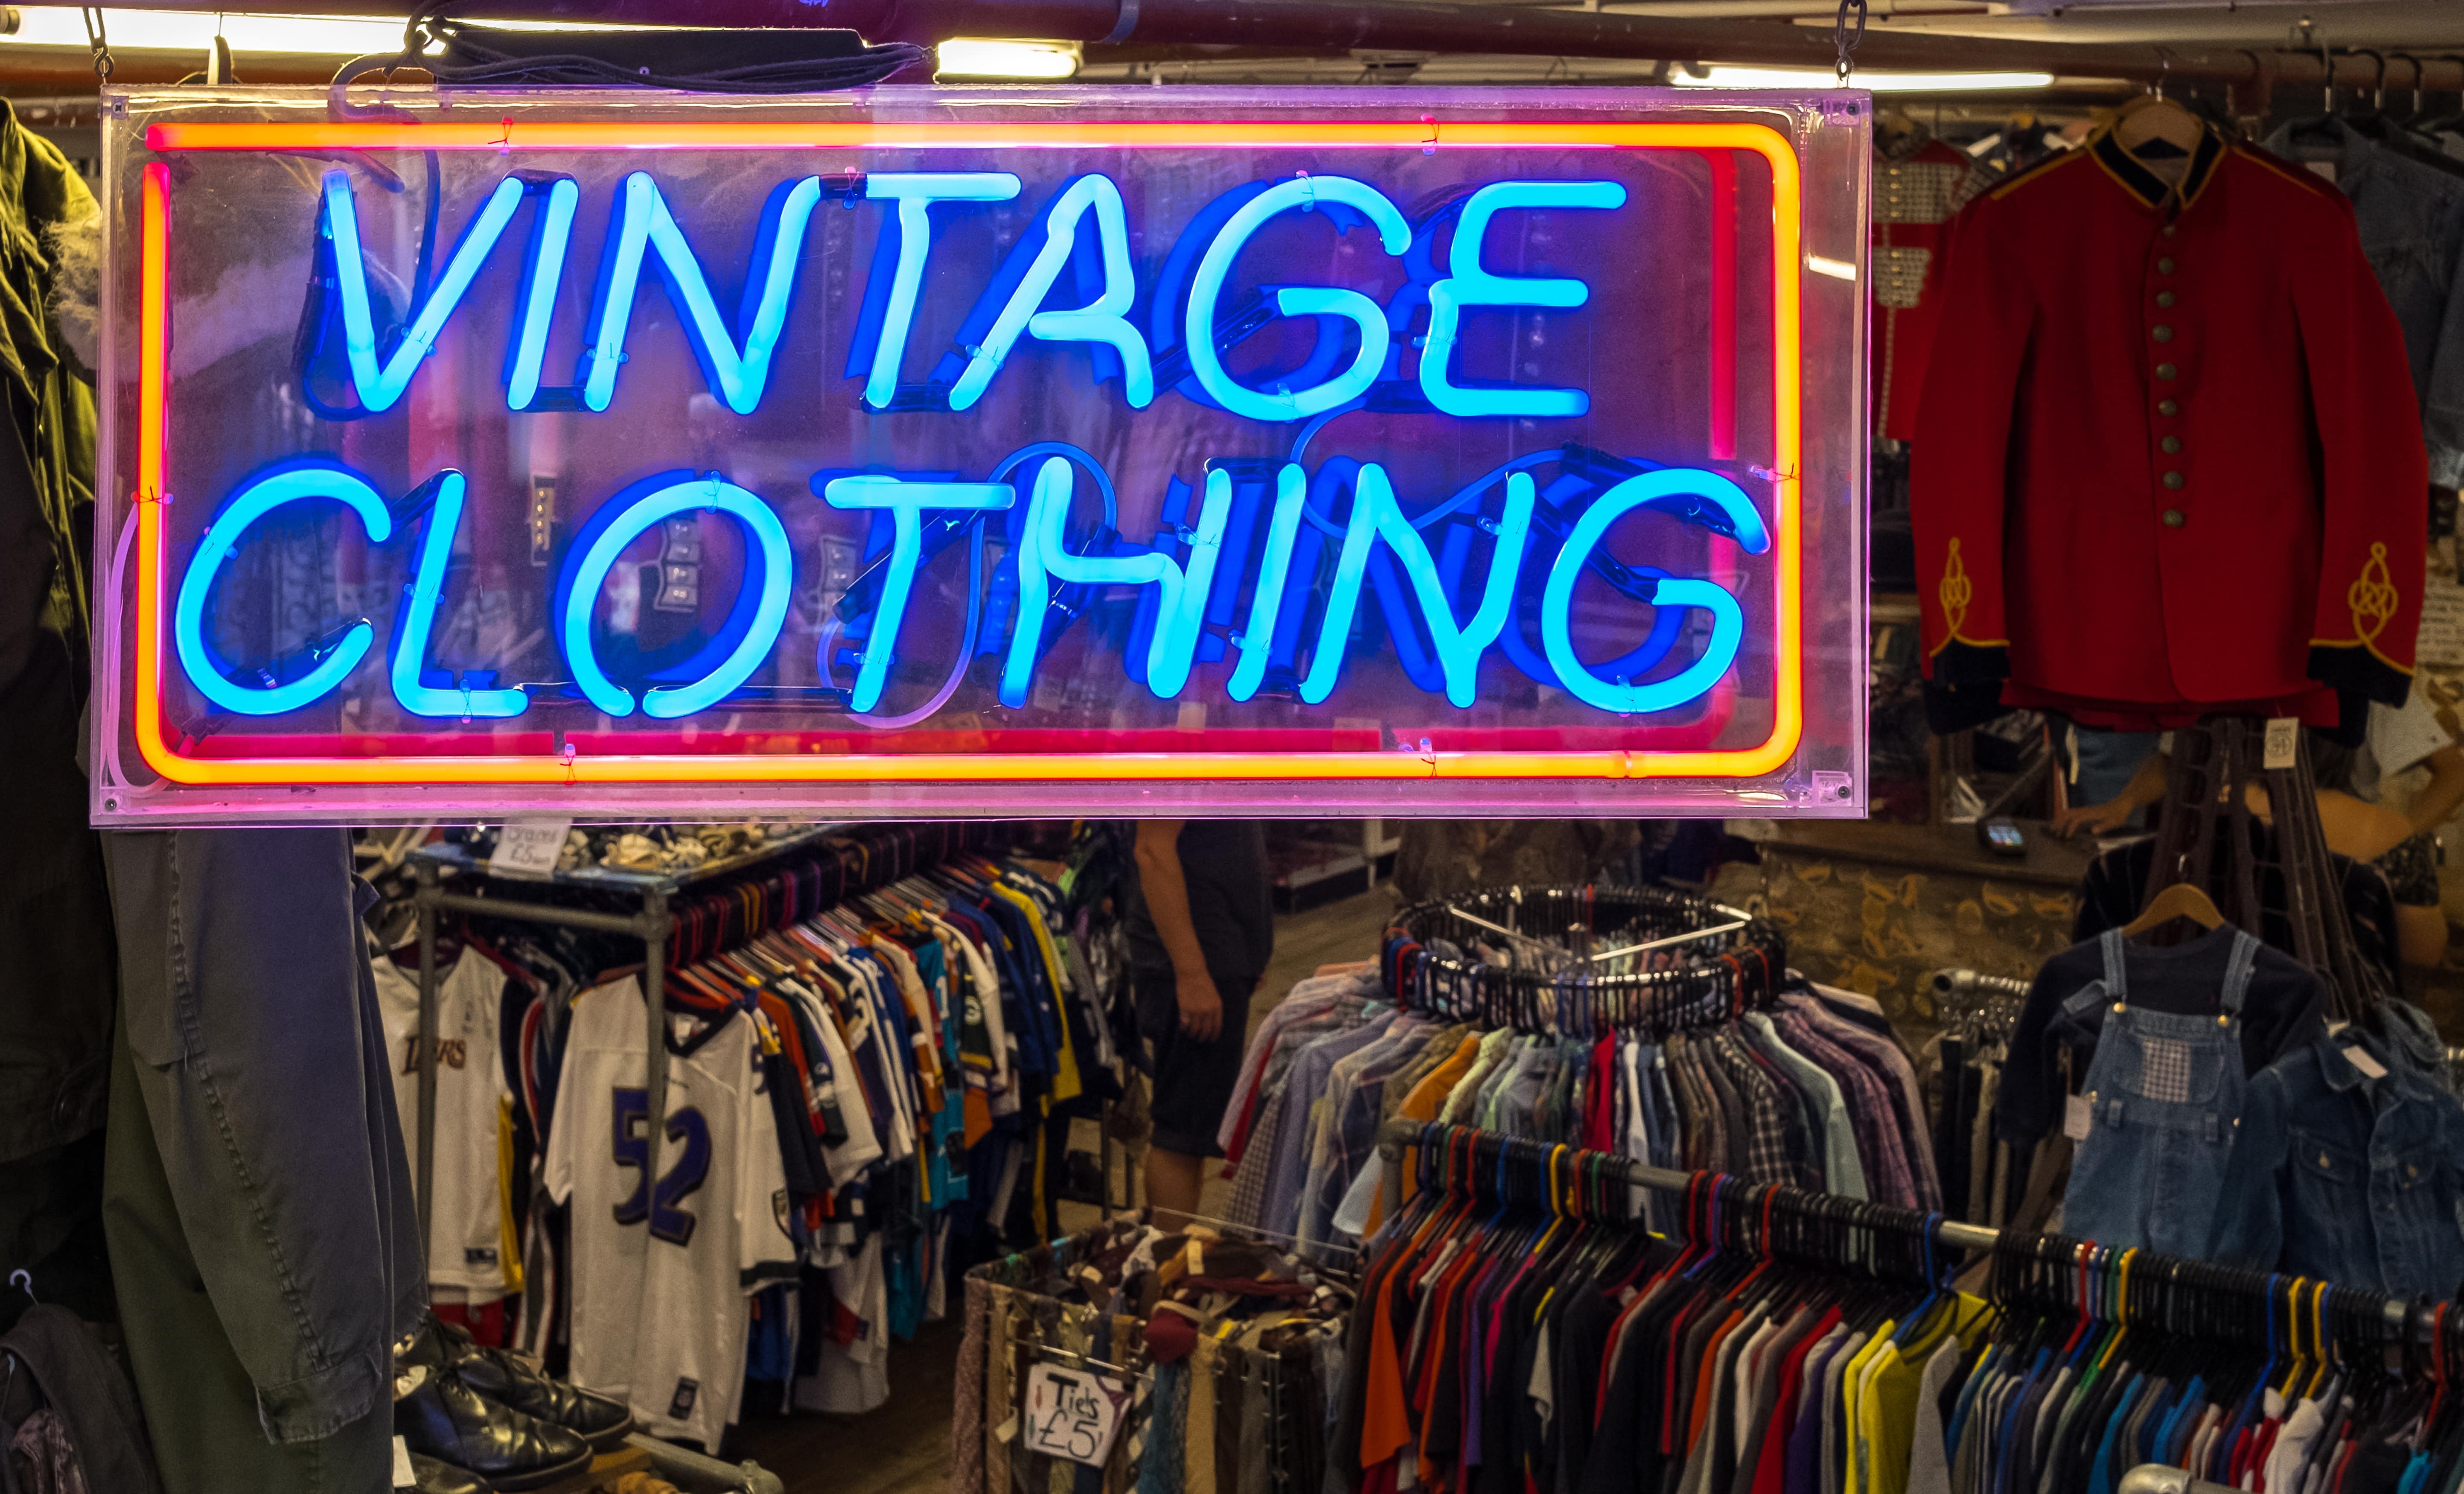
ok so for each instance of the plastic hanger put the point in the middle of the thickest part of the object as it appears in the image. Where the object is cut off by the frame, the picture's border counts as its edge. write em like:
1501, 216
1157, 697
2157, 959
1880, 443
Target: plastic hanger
2180, 900
2153, 119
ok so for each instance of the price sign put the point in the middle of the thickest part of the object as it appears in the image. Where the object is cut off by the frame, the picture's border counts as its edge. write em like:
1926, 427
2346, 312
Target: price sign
2283, 737
529, 847
1071, 1414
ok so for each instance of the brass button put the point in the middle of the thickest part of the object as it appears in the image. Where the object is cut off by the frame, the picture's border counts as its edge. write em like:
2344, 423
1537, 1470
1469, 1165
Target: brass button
2164, 371
2164, 297
2171, 444
2164, 266
2174, 518
2173, 480
2169, 230
2169, 407
2160, 332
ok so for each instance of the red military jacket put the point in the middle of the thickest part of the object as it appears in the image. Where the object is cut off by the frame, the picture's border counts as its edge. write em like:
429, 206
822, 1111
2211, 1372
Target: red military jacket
2168, 460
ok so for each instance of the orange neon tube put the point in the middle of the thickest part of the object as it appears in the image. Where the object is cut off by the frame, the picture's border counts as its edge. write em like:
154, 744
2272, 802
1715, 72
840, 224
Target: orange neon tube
507, 136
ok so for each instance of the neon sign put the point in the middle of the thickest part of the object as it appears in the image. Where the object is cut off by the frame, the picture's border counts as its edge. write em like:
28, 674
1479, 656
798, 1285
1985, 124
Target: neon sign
927, 455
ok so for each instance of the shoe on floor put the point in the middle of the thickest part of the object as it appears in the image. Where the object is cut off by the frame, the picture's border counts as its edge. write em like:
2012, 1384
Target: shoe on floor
430, 1476
510, 1380
442, 1417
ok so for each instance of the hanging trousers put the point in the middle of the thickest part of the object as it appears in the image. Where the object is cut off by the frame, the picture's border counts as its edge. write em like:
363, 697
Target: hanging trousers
256, 1192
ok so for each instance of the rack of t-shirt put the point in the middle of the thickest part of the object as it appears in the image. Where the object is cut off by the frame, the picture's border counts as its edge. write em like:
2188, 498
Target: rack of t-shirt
1960, 1070
865, 1050
1218, 1357
1517, 1331
1642, 1020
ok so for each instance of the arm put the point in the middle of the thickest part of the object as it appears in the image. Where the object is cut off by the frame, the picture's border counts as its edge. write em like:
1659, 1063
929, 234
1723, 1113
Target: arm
2145, 787
2440, 796
1167, 899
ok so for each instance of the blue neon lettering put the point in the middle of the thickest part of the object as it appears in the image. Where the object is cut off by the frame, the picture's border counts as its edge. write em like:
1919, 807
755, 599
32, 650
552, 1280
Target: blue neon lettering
914, 193
1470, 286
1104, 320
1727, 618
419, 618
1274, 569
907, 503
1044, 557
1179, 617
643, 224
379, 384
551, 232
753, 624
290, 482
1376, 516
1206, 288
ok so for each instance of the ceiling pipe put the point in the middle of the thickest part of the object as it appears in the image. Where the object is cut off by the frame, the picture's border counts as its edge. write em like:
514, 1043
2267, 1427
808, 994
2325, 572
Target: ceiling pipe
1429, 26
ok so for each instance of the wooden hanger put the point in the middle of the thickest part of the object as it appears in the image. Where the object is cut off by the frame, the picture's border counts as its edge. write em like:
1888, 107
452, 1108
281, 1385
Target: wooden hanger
2153, 117
2180, 900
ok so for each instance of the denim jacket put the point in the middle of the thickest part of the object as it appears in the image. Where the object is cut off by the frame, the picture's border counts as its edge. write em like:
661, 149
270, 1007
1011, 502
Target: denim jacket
2340, 1175
2411, 222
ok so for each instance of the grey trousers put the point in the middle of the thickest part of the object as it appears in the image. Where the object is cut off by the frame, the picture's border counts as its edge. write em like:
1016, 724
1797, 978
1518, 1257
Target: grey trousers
255, 1192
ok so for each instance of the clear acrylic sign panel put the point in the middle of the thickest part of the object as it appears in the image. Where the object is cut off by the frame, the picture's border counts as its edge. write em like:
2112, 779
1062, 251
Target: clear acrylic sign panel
997, 452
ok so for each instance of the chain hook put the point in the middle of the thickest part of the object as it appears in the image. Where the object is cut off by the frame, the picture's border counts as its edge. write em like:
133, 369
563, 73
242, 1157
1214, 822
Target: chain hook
95, 39
1847, 40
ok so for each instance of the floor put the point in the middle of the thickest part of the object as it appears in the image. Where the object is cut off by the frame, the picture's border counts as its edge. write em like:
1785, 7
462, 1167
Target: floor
904, 1448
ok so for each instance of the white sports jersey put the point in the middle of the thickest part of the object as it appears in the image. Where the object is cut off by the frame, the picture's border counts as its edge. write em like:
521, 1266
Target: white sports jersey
662, 1271
466, 1235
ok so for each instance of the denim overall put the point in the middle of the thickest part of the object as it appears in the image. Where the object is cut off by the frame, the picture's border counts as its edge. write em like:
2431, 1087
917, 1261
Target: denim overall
2163, 1095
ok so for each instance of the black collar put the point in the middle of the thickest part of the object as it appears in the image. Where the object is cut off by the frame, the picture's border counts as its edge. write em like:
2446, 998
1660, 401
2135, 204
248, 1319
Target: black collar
2146, 185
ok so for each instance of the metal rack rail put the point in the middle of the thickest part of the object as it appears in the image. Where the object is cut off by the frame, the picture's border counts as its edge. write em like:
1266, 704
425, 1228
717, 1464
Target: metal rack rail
652, 924
1398, 1135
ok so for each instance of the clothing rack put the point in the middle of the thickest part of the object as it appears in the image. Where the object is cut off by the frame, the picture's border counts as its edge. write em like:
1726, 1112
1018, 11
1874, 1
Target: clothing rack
1709, 957
762, 889
2394, 1315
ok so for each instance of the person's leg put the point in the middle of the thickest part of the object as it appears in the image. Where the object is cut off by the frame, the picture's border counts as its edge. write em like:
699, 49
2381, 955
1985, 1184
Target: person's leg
1174, 1182
1193, 1083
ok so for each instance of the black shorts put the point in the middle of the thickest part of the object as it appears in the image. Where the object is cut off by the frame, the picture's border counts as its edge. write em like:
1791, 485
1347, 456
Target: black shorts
1193, 1080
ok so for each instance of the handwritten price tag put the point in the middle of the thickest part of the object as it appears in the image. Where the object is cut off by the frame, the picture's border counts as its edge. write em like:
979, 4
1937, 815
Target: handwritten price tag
1071, 1414
529, 847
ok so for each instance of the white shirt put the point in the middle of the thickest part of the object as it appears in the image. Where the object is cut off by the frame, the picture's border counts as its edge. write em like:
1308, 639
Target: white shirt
465, 1236
661, 1274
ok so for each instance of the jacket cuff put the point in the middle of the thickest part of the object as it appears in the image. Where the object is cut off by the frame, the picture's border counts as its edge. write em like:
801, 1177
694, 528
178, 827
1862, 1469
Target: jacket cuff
1963, 664
2352, 666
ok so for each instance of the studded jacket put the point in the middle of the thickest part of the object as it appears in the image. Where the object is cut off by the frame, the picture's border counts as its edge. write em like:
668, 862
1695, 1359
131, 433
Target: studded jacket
1918, 185
2169, 458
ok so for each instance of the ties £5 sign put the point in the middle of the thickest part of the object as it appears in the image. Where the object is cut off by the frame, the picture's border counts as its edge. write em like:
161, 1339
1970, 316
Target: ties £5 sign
1008, 452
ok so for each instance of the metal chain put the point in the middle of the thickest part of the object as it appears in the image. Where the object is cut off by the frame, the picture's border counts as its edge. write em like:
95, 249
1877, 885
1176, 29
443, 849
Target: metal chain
95, 39
1847, 40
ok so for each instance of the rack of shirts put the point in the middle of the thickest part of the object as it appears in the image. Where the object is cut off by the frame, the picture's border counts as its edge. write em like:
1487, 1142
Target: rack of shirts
861, 1055
1960, 1067
1223, 1353
1517, 1330
1643, 1021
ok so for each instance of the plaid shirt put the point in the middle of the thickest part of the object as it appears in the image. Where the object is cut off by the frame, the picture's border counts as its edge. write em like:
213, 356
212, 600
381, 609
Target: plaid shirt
1899, 1080
1879, 1149
1766, 1149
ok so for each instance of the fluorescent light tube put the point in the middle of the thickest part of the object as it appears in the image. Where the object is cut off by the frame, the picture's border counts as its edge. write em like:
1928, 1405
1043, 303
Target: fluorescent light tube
1036, 61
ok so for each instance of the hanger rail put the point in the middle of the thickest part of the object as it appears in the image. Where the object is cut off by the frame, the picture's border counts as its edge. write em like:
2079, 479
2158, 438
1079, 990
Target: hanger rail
1396, 1137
